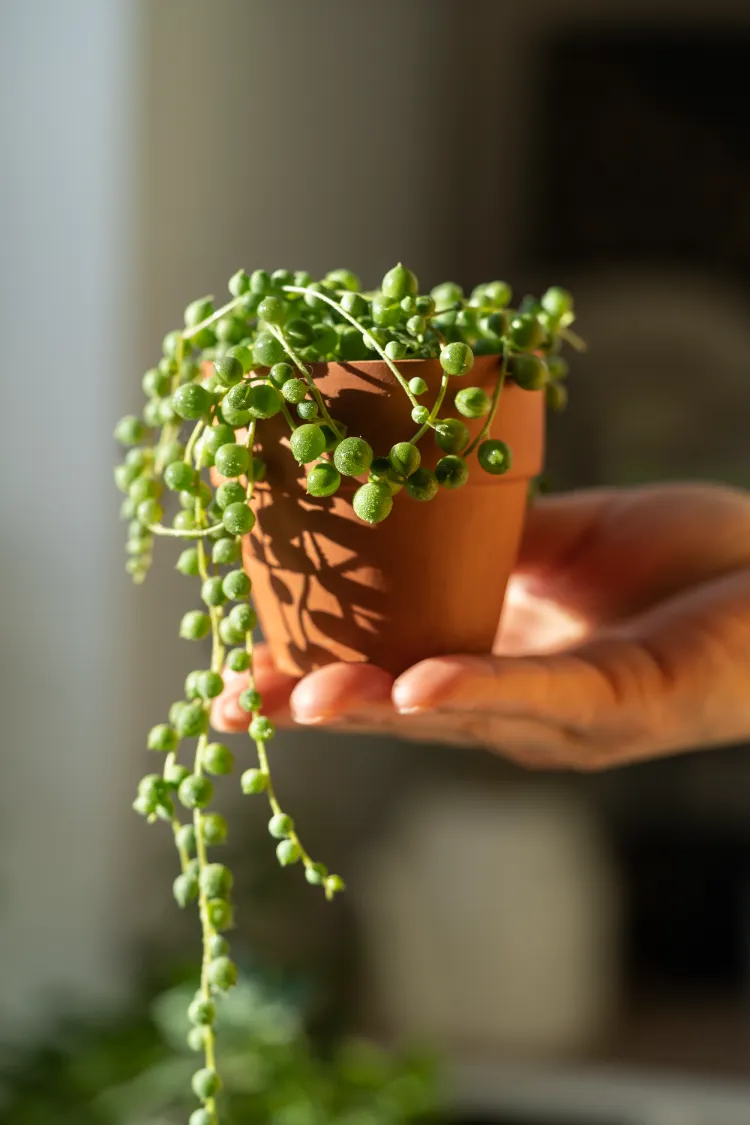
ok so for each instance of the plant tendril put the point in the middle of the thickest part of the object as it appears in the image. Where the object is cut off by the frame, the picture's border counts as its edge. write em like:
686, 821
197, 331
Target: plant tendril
208, 377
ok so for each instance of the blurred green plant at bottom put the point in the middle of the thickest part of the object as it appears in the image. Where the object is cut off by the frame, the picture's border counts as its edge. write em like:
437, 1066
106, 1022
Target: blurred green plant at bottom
136, 1071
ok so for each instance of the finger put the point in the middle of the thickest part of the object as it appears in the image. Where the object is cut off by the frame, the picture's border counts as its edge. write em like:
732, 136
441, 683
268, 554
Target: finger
274, 686
339, 689
615, 553
569, 688
556, 525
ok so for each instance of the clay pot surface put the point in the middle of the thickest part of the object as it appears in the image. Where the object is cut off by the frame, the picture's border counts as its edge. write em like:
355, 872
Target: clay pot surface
429, 580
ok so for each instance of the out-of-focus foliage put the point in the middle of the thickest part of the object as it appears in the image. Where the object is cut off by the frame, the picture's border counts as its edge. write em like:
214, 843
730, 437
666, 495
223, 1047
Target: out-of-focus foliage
136, 1070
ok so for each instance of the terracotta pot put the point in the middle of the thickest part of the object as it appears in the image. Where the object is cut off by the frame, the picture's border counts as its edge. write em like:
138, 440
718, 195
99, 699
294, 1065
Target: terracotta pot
430, 579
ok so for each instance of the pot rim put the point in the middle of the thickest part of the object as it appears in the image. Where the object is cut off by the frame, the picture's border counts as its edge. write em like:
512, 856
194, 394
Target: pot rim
481, 362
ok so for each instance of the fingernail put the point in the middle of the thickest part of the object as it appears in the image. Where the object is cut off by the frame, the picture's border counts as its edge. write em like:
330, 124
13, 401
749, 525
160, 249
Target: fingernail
403, 703
306, 720
313, 720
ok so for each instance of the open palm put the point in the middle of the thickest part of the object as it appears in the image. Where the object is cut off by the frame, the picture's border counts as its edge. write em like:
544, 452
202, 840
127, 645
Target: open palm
626, 635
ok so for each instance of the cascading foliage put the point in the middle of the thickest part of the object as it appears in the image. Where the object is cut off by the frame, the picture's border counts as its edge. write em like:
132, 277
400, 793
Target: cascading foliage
223, 374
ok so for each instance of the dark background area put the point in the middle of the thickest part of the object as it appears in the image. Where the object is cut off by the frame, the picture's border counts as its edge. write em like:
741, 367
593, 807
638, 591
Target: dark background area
641, 158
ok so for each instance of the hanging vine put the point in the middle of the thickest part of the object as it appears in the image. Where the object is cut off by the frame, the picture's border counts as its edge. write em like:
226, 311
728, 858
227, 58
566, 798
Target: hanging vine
226, 372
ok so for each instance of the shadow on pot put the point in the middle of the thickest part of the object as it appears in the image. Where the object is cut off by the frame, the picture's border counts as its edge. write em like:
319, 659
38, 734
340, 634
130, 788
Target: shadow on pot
430, 580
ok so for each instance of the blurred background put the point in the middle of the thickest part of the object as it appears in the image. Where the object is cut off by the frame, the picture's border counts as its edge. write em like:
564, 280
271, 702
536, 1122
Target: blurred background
569, 949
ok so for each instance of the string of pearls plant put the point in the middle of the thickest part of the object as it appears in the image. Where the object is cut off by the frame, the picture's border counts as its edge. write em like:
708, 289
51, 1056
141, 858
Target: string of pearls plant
225, 372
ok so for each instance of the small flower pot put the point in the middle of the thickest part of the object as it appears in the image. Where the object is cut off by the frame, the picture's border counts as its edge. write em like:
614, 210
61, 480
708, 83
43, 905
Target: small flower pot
431, 578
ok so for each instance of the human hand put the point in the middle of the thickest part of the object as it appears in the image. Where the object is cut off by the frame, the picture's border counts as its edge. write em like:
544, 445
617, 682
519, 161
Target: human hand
626, 636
